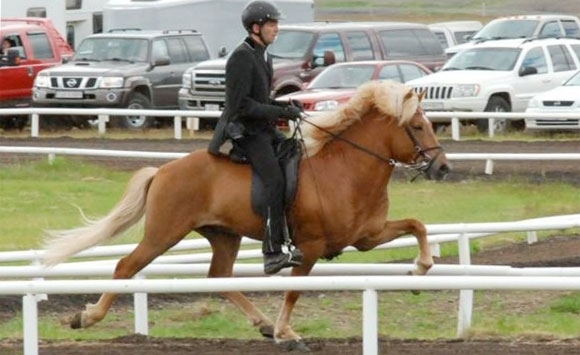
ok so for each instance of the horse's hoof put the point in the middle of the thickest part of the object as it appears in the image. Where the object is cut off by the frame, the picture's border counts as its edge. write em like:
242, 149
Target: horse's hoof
75, 322
415, 292
295, 345
267, 331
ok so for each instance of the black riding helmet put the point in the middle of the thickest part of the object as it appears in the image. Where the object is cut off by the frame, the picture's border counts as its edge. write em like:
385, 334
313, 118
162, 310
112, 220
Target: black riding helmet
259, 11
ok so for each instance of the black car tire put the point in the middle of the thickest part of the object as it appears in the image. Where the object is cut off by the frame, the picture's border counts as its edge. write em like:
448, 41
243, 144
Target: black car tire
495, 104
136, 101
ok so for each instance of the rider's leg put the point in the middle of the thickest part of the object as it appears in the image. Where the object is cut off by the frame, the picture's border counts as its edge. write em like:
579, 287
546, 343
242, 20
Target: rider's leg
260, 153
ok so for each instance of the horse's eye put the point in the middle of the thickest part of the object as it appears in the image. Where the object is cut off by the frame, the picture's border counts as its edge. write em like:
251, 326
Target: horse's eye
418, 128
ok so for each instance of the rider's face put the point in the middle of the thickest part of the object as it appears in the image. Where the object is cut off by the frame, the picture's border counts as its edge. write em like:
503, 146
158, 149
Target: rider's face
270, 31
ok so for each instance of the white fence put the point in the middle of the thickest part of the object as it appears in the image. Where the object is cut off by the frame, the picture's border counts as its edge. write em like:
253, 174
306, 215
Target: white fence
489, 158
34, 290
192, 121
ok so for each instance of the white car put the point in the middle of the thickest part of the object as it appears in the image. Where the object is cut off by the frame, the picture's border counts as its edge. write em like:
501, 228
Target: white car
453, 33
499, 76
563, 99
523, 26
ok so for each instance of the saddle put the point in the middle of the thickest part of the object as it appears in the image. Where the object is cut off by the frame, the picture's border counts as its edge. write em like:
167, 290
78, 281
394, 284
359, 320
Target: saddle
289, 154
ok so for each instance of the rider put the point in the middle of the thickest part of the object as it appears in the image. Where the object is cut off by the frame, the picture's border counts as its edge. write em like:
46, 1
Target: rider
249, 120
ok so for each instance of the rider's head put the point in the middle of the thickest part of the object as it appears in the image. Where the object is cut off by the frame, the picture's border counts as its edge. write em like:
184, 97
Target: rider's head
260, 19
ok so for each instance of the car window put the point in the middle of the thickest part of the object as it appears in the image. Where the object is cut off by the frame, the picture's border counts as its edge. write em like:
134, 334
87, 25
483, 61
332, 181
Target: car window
16, 43
196, 48
503, 59
177, 51
410, 72
576, 50
571, 28
40, 45
537, 59
550, 29
508, 29
159, 49
343, 76
328, 42
390, 72
441, 38
291, 44
561, 59
409, 42
360, 45
462, 36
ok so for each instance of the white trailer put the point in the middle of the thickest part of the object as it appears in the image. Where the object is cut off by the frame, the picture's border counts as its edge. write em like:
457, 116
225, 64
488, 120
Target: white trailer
218, 20
74, 19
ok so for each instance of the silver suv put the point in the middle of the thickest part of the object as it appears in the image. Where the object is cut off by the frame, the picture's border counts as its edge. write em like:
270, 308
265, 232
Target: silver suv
123, 69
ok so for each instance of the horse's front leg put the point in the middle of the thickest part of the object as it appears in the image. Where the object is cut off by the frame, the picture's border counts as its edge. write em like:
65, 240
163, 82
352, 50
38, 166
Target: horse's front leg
283, 332
394, 229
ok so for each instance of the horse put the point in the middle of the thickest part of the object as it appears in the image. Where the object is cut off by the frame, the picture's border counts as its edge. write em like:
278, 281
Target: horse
341, 200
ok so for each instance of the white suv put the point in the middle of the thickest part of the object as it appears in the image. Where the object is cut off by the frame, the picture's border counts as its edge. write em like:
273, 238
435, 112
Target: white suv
523, 26
499, 76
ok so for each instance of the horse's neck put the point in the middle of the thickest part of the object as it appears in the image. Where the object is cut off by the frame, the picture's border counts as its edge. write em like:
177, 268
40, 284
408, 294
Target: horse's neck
358, 158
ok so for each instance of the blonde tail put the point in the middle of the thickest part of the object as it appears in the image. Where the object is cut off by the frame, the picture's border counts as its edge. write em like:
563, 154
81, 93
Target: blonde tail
61, 244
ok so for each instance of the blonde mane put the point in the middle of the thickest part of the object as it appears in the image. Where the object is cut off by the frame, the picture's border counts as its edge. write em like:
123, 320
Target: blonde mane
389, 97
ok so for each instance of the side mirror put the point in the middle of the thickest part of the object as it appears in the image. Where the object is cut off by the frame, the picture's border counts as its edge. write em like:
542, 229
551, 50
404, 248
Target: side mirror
222, 52
528, 71
162, 61
329, 58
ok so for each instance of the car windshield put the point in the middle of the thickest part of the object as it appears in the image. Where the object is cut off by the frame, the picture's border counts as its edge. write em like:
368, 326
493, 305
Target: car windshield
343, 76
574, 80
507, 29
500, 59
102, 49
291, 44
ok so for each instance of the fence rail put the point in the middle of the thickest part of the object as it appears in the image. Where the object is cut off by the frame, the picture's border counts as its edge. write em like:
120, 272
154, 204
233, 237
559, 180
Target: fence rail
103, 114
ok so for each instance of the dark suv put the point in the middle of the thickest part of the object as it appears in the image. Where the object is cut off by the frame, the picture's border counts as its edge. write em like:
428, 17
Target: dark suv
125, 69
301, 51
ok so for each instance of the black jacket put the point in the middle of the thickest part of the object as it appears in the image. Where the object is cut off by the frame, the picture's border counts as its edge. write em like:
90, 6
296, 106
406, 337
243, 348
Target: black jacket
248, 106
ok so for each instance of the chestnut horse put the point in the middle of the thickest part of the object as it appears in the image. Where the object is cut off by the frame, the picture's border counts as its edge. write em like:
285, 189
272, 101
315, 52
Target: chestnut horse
341, 200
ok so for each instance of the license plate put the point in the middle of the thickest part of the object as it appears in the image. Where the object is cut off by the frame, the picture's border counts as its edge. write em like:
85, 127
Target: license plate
69, 95
212, 107
432, 105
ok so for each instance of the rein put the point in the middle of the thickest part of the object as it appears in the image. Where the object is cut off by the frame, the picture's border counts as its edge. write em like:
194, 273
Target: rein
423, 166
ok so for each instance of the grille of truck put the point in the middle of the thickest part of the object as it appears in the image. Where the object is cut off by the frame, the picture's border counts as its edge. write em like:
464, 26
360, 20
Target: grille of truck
73, 82
209, 82
435, 92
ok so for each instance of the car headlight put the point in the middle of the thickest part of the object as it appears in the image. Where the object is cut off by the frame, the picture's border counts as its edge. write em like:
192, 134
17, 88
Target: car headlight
533, 103
186, 80
326, 105
112, 82
41, 81
467, 90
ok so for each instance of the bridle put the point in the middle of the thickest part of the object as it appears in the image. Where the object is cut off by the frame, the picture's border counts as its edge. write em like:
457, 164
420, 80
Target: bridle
421, 166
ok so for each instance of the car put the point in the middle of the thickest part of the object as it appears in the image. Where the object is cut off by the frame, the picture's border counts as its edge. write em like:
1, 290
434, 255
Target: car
338, 83
499, 76
452, 33
523, 26
35, 44
562, 99
123, 69
302, 51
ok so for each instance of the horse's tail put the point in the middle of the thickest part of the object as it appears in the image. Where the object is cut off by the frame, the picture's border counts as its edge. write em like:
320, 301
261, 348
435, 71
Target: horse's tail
61, 244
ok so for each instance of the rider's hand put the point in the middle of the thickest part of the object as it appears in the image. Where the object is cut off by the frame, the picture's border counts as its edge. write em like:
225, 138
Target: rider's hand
297, 104
290, 113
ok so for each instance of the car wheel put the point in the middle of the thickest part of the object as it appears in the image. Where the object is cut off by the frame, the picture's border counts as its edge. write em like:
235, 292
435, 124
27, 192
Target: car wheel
136, 101
495, 104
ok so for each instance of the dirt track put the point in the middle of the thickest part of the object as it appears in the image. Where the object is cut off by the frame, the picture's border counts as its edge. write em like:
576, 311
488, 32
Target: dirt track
553, 252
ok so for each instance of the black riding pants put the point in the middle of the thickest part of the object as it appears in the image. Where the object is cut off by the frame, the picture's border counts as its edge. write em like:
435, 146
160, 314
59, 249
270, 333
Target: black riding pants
259, 148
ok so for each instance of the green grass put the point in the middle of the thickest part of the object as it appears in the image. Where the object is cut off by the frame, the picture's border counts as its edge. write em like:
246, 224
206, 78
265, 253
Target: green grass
40, 196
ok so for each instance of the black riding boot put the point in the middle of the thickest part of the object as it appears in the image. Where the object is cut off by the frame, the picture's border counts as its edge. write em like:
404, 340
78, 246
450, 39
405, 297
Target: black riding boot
275, 237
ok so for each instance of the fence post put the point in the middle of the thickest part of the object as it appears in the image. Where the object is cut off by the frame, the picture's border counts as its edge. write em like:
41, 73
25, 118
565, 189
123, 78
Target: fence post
370, 323
140, 309
489, 166
30, 324
490, 127
465, 296
34, 125
177, 127
455, 128
103, 119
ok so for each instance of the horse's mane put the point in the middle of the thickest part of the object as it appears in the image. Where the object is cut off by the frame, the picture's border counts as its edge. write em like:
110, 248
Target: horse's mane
393, 99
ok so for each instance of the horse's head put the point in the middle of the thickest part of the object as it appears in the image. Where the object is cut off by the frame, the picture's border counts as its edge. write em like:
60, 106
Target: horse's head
416, 146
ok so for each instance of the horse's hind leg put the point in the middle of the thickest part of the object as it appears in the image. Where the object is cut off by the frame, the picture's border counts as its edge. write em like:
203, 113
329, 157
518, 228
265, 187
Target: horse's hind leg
395, 229
147, 250
225, 250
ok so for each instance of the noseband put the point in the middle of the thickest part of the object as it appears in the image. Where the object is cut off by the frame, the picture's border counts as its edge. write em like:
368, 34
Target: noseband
422, 166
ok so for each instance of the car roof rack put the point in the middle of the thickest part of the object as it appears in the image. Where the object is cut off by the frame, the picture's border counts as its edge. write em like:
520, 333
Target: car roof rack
191, 30
129, 29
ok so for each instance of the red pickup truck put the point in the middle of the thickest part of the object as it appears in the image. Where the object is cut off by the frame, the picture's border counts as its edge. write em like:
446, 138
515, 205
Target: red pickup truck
34, 44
